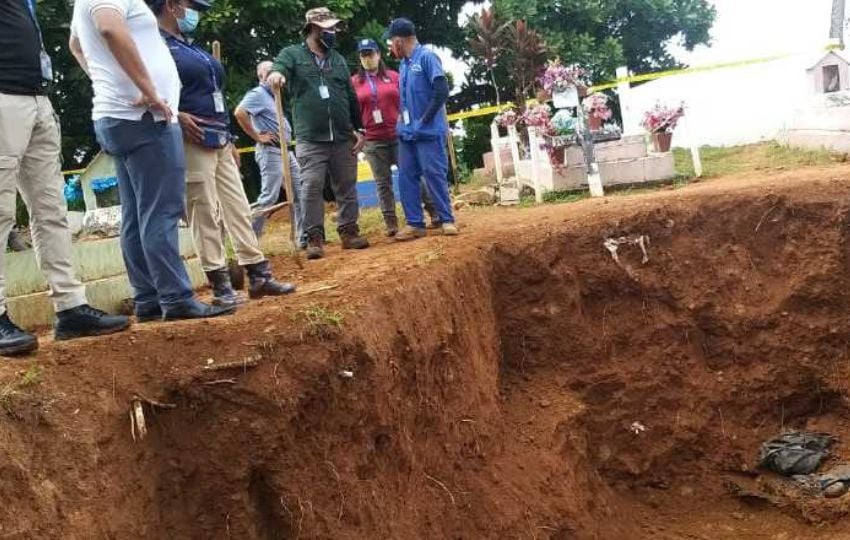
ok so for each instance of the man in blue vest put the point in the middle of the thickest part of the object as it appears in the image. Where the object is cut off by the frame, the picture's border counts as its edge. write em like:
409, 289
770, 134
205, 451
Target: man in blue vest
30, 162
422, 131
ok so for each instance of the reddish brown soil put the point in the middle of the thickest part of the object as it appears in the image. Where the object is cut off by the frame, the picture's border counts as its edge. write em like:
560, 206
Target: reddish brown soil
496, 377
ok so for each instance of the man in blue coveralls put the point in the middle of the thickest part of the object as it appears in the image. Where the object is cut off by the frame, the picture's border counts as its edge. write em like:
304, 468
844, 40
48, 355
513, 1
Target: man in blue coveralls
422, 130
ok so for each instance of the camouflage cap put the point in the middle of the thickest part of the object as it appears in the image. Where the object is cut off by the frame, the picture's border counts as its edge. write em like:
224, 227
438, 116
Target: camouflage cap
321, 17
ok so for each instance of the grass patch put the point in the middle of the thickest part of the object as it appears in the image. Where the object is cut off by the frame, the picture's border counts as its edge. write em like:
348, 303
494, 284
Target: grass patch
718, 161
371, 222
431, 256
27, 379
321, 322
559, 197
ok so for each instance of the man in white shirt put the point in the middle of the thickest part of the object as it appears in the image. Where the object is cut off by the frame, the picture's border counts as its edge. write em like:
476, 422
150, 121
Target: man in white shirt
136, 93
30, 161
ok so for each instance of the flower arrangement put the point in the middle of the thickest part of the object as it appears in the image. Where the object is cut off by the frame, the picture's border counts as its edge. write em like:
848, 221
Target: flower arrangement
507, 118
596, 106
557, 77
538, 116
564, 124
661, 119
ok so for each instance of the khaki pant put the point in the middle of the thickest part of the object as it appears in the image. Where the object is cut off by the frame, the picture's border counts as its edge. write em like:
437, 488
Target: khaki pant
30, 149
214, 193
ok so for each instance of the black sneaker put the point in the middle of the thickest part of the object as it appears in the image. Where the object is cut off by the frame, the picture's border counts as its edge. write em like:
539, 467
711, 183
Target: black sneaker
83, 321
13, 340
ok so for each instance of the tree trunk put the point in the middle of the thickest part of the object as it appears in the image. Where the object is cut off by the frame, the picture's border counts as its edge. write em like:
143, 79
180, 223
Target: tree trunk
495, 87
837, 26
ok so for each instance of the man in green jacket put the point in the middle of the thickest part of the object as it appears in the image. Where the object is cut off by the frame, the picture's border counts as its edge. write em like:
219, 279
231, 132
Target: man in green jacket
327, 128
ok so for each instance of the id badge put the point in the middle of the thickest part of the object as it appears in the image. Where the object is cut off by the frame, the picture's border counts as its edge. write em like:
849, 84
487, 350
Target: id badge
218, 100
377, 116
324, 93
405, 116
46, 66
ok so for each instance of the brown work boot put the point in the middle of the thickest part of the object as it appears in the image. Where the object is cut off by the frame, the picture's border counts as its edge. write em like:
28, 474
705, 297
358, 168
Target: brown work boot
351, 239
410, 233
392, 226
315, 248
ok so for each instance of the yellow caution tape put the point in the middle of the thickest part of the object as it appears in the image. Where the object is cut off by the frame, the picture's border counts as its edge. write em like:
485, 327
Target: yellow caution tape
495, 109
699, 69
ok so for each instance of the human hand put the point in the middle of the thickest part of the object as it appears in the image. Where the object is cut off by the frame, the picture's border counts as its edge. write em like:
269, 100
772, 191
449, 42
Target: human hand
191, 130
156, 105
359, 141
276, 79
267, 137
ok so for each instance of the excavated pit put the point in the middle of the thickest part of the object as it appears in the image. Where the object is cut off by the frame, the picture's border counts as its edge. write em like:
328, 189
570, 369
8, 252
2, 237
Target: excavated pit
533, 388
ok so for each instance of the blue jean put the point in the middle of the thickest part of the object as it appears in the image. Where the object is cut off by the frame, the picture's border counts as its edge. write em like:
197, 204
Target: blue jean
424, 159
151, 172
271, 180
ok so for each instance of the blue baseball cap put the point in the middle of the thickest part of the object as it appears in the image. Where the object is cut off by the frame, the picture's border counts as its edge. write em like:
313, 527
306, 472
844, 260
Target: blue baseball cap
400, 27
367, 45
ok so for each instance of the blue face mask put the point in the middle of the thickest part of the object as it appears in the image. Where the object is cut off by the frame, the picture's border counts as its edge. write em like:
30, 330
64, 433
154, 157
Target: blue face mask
189, 22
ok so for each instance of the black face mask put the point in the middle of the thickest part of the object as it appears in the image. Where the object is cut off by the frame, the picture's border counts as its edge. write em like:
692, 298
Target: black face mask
328, 39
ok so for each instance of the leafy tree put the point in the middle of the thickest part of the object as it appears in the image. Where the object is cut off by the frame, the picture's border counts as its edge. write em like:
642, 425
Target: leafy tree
487, 42
249, 31
476, 143
600, 36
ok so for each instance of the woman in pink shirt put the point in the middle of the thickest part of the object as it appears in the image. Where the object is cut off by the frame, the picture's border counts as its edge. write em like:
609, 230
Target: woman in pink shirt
378, 95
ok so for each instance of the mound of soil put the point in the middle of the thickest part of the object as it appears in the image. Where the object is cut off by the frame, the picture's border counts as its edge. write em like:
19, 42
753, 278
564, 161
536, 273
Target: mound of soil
515, 382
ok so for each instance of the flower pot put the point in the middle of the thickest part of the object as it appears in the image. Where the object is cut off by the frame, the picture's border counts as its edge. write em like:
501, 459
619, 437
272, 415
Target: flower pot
593, 122
662, 141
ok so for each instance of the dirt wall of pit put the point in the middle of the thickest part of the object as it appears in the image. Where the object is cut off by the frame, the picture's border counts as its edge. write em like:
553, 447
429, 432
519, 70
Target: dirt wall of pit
524, 385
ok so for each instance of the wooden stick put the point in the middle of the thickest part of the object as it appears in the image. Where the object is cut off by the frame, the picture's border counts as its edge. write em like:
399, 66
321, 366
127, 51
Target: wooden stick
216, 46
452, 155
284, 154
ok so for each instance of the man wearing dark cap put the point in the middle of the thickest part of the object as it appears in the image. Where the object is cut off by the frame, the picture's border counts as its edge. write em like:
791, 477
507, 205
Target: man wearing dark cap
422, 131
327, 128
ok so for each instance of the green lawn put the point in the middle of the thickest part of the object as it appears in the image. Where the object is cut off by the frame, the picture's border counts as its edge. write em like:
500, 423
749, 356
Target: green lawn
717, 161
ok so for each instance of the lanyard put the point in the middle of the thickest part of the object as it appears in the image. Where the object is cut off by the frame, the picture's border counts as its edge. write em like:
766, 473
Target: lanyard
321, 63
197, 53
31, 8
373, 86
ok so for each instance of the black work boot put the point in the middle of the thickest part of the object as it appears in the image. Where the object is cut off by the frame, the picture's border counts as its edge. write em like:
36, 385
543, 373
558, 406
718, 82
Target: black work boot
148, 313
85, 320
262, 283
193, 309
351, 239
13, 340
315, 247
223, 293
